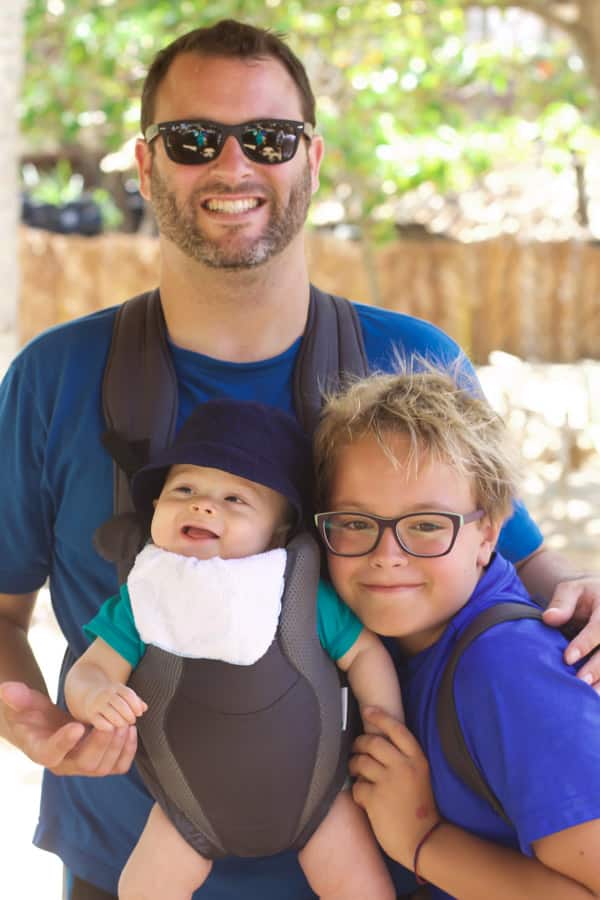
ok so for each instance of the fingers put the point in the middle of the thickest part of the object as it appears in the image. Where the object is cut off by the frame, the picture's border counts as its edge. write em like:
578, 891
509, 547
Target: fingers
362, 792
586, 641
590, 671
391, 729
56, 748
124, 706
101, 753
115, 707
563, 604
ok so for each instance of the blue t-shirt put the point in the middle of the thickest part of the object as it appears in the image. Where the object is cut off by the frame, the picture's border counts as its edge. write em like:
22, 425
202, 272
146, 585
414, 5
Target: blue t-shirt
531, 725
56, 487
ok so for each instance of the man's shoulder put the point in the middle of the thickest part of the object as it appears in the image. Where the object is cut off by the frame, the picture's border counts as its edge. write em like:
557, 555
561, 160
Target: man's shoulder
93, 327
387, 331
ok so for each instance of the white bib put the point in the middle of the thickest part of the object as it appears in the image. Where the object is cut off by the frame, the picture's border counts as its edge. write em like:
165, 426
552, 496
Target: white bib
225, 609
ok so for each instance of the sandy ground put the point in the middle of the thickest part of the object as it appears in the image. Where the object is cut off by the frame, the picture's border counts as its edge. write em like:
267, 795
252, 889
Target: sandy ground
555, 413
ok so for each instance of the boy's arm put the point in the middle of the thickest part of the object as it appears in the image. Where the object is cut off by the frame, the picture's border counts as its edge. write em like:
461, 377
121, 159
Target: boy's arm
96, 691
394, 788
372, 676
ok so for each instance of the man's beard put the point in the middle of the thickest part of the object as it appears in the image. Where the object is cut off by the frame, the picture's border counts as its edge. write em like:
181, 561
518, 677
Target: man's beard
180, 225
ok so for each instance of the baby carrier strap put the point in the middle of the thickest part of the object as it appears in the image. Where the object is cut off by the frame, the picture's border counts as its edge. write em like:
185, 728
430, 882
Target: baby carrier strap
139, 395
452, 739
332, 348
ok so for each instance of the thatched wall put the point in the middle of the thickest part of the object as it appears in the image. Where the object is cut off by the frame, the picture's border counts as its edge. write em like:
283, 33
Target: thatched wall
537, 301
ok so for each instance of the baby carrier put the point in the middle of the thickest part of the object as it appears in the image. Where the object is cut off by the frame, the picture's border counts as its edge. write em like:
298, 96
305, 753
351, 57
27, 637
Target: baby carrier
245, 760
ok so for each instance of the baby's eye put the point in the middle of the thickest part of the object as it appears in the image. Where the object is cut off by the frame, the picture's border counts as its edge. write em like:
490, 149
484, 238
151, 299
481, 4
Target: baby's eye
183, 489
234, 498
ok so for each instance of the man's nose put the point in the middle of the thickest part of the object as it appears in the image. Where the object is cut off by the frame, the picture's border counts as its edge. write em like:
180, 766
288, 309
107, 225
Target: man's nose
388, 551
232, 158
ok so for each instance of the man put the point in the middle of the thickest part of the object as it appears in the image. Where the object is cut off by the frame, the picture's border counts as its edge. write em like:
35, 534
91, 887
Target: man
230, 206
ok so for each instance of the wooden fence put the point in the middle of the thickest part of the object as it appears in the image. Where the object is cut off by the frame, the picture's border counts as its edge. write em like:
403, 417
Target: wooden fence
540, 302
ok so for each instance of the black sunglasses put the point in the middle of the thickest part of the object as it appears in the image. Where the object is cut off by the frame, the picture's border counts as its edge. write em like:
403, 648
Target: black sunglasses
196, 141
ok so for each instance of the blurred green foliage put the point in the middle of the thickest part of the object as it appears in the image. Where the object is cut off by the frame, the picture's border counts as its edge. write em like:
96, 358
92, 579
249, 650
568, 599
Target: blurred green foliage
408, 92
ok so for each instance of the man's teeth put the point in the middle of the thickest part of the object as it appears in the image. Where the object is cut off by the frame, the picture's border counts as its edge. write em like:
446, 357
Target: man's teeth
231, 206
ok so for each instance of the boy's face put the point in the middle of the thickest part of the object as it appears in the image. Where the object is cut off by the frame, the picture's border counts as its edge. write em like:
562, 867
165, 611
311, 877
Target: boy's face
395, 594
205, 512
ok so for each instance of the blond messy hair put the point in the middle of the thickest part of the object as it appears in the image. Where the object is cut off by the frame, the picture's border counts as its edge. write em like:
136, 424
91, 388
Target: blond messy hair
443, 422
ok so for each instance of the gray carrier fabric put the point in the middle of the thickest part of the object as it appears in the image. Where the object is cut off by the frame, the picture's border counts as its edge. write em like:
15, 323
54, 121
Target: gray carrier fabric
246, 760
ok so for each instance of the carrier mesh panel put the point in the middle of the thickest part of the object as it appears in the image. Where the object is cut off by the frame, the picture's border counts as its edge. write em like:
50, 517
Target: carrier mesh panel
298, 625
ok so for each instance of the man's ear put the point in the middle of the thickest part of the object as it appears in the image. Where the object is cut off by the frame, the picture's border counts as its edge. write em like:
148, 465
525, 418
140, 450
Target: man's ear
143, 158
488, 532
315, 157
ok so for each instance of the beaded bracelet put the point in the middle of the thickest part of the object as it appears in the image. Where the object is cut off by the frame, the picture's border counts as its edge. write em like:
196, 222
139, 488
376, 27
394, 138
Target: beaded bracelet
425, 837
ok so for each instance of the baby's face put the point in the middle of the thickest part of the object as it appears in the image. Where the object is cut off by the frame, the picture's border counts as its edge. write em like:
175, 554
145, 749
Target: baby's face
205, 512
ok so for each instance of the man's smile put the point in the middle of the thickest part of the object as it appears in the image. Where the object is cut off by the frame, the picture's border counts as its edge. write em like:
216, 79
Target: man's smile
230, 206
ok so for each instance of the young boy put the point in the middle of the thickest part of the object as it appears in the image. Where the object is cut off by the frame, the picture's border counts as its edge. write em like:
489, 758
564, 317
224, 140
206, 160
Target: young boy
415, 478
223, 501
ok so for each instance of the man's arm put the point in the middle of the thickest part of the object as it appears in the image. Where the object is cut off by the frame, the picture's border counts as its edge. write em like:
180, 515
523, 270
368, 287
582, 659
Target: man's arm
570, 595
39, 728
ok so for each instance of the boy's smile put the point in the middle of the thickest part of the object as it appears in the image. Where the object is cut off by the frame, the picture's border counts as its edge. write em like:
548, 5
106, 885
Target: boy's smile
394, 593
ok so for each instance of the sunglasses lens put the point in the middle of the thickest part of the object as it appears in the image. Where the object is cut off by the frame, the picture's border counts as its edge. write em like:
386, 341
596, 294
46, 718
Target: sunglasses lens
270, 142
191, 145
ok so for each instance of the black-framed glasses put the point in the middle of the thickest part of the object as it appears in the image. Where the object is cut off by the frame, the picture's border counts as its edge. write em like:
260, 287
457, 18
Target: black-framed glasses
192, 142
424, 534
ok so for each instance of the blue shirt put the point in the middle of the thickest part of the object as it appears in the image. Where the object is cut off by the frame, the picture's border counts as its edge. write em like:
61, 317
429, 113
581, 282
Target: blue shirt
56, 485
531, 725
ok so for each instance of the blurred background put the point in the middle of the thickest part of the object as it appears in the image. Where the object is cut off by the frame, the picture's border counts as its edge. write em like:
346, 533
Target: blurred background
461, 184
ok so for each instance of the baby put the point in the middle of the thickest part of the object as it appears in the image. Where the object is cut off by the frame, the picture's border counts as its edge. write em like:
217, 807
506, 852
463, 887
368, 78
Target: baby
223, 501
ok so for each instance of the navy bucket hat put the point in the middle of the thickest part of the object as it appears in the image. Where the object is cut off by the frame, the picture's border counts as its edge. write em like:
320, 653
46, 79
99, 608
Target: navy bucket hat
260, 443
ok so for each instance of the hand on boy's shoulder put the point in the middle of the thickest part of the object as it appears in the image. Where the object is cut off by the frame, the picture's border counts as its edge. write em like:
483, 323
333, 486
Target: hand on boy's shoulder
579, 600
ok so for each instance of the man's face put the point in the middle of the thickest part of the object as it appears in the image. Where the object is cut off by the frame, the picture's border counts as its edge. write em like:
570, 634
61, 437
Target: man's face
395, 594
205, 512
229, 213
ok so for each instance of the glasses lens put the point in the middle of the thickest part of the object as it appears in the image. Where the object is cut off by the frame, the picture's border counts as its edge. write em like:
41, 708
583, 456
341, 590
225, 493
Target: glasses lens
191, 145
270, 142
426, 535
350, 534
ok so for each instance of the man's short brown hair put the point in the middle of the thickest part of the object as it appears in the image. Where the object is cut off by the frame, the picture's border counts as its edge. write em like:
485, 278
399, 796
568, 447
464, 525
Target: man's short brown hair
227, 38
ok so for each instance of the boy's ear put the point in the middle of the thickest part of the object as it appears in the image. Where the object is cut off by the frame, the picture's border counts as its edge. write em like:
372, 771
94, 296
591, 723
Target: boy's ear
489, 531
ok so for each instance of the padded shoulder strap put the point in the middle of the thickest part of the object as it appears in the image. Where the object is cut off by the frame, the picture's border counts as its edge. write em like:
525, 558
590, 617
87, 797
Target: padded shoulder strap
332, 348
452, 739
139, 393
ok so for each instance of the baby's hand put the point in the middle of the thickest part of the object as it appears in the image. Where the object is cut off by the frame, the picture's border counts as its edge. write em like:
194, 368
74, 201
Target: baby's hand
115, 706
